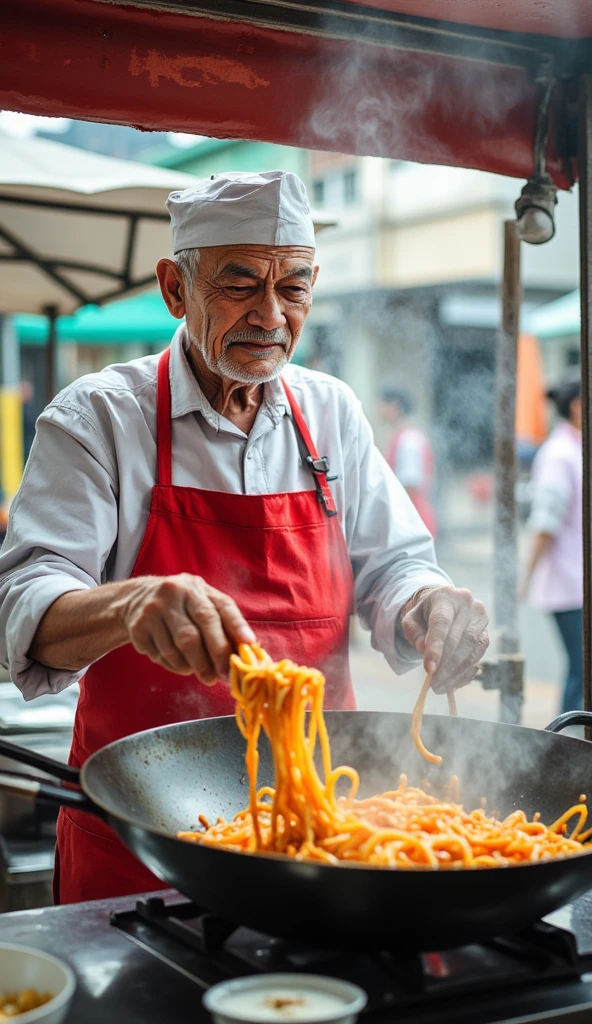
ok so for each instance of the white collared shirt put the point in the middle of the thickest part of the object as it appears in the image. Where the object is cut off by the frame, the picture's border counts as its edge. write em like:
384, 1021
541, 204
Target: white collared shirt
81, 511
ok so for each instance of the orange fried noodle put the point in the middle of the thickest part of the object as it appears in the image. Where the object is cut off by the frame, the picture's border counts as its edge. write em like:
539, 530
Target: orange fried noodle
303, 817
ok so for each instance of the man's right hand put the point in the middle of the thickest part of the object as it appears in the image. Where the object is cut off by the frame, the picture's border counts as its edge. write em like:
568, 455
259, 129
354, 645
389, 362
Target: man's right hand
184, 624
179, 622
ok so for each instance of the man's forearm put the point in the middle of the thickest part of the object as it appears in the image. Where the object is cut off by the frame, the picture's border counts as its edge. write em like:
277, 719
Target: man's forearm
82, 626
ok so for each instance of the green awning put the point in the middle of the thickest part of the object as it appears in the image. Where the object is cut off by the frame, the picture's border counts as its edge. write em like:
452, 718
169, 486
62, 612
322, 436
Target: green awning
556, 319
142, 319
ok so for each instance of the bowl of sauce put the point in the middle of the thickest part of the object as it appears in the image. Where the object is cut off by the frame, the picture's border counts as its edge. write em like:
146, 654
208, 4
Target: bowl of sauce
285, 999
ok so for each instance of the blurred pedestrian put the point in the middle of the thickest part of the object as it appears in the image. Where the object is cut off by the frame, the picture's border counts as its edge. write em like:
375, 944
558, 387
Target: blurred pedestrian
554, 574
409, 452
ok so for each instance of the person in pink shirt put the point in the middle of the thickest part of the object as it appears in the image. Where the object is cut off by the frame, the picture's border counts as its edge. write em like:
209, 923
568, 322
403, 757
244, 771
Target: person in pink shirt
409, 453
554, 575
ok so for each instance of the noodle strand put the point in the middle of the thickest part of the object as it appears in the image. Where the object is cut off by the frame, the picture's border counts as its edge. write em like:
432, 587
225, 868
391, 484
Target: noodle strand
417, 716
302, 816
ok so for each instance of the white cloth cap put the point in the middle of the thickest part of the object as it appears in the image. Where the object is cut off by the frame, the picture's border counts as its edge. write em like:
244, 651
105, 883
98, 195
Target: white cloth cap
238, 208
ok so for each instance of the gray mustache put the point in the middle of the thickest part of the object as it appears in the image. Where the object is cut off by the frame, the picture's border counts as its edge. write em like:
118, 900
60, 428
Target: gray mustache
276, 337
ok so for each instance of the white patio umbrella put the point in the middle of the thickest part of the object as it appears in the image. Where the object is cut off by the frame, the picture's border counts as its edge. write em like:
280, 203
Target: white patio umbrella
77, 228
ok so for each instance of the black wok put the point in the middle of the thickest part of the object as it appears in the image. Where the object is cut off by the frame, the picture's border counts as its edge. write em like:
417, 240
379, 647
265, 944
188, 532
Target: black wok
151, 784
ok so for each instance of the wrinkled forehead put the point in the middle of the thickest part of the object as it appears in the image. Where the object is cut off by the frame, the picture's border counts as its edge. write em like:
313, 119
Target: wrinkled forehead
259, 258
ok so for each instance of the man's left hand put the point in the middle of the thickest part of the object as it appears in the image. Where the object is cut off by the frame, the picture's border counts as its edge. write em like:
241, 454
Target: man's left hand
449, 628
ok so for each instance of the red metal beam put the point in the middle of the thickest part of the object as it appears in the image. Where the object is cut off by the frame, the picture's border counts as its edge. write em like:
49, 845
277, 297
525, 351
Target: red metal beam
159, 70
568, 19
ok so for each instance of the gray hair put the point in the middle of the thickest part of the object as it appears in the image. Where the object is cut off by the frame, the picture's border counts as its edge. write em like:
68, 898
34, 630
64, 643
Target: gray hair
187, 261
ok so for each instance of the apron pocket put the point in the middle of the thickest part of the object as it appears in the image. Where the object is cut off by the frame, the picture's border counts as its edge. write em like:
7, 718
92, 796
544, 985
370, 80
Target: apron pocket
91, 826
305, 641
318, 643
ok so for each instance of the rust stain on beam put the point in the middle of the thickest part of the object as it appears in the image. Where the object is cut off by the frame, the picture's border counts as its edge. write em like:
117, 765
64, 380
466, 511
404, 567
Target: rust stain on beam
194, 72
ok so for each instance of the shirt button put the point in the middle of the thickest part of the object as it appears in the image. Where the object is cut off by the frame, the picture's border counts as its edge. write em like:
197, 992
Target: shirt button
249, 454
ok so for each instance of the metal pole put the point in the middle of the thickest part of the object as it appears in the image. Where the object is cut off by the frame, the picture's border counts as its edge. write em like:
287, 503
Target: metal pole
585, 189
505, 605
51, 313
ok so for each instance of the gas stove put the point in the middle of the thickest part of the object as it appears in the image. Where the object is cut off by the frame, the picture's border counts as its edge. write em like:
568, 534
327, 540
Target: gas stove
151, 958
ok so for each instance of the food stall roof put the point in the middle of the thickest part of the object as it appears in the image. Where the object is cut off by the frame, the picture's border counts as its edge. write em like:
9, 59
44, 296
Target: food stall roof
568, 19
454, 82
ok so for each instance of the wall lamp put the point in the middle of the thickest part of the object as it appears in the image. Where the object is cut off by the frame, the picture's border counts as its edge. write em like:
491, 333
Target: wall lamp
535, 221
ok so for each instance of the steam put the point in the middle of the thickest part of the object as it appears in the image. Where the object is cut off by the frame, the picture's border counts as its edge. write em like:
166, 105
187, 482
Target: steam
382, 97
526, 769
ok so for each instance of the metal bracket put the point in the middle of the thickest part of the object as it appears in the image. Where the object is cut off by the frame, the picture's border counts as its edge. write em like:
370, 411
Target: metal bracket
505, 672
319, 466
320, 470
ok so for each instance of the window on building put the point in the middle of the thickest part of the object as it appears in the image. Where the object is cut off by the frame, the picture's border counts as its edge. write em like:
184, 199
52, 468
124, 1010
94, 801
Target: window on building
318, 191
350, 187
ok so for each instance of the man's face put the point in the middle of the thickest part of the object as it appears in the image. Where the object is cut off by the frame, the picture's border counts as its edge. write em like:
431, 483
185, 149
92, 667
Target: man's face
247, 308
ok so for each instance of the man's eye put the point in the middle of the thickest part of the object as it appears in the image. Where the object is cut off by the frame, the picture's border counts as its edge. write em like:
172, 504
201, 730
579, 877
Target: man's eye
295, 289
238, 289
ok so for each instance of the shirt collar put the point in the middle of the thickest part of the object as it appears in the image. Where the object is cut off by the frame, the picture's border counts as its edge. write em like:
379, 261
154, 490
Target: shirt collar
187, 396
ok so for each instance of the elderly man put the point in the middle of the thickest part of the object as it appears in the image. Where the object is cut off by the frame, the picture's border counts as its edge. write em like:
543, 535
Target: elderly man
177, 505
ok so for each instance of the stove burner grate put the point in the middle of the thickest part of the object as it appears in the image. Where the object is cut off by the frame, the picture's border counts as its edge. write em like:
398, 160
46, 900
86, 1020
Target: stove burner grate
209, 949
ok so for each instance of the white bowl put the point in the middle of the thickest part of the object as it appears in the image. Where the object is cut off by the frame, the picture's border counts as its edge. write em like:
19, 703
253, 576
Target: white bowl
310, 998
22, 967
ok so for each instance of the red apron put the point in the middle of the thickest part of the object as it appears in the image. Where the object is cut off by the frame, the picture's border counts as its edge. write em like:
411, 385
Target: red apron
284, 560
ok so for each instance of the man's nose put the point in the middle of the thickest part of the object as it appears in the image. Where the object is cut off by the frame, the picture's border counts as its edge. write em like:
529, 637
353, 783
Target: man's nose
267, 312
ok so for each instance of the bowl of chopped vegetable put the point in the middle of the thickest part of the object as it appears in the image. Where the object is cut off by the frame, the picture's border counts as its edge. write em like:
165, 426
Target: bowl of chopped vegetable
35, 987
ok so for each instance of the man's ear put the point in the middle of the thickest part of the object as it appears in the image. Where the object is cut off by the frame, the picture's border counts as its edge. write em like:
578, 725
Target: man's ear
315, 271
172, 287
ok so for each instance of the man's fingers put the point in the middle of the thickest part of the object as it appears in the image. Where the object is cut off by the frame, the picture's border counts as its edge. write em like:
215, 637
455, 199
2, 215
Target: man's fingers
464, 672
463, 639
157, 645
186, 625
177, 639
235, 625
449, 628
442, 616
189, 641
414, 628
168, 653
207, 618
455, 639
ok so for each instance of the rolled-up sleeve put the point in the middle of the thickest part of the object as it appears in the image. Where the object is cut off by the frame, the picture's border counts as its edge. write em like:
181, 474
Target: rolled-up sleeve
391, 551
61, 530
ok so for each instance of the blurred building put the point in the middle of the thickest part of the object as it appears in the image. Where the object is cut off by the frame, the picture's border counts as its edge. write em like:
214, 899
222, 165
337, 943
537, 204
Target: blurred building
408, 290
557, 326
410, 284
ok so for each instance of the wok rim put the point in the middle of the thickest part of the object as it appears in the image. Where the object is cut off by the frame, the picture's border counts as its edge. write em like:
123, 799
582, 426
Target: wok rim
283, 858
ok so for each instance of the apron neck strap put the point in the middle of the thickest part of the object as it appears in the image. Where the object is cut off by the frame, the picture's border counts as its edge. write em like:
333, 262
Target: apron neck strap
163, 420
319, 467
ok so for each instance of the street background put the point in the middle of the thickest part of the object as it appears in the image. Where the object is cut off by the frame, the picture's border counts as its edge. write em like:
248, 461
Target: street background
466, 553
408, 296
